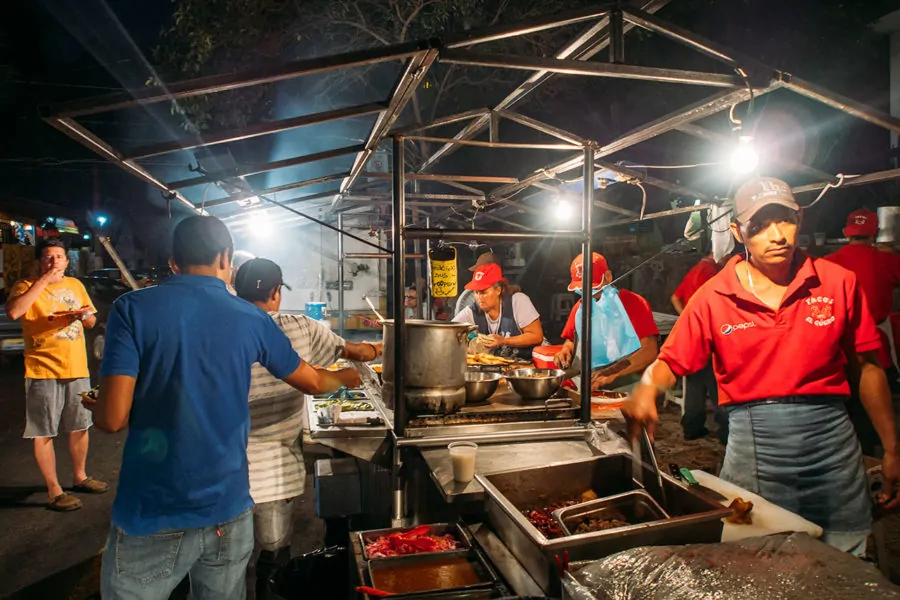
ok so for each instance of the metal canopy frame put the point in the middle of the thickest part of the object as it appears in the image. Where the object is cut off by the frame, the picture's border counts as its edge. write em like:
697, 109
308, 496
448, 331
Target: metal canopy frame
606, 28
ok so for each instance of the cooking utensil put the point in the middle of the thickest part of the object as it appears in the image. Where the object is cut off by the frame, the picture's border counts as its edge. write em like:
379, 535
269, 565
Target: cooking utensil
562, 565
535, 384
370, 591
374, 310
481, 386
659, 480
434, 375
688, 477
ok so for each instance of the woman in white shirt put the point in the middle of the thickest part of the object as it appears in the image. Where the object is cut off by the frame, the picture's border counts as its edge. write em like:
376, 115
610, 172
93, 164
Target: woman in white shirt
507, 318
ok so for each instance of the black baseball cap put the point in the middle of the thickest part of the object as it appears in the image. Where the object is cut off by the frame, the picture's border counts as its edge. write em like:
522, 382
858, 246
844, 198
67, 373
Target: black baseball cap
256, 278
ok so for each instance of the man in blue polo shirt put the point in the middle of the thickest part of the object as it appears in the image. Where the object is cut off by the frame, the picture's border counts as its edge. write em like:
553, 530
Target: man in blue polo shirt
176, 370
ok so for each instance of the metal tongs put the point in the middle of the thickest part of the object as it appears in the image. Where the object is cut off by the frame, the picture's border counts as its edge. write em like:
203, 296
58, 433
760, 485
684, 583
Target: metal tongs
637, 469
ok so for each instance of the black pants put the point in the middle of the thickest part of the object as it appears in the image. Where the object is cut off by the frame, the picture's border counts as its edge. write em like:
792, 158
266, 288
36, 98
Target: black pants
700, 387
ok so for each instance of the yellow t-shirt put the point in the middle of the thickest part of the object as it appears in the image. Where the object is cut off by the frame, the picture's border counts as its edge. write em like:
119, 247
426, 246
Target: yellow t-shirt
54, 349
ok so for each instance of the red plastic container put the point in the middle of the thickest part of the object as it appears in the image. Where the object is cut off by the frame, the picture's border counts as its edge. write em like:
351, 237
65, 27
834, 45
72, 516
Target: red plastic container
542, 356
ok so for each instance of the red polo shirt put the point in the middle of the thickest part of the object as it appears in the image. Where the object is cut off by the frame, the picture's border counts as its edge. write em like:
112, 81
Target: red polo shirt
638, 310
878, 274
757, 352
702, 272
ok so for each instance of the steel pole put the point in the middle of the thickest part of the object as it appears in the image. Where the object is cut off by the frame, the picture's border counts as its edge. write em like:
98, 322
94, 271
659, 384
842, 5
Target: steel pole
587, 271
398, 219
340, 262
429, 306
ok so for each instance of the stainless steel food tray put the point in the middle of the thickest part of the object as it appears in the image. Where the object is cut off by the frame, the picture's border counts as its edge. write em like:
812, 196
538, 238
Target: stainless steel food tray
479, 564
693, 518
638, 507
366, 537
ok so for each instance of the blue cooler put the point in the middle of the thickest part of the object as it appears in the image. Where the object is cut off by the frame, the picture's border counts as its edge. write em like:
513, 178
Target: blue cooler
315, 310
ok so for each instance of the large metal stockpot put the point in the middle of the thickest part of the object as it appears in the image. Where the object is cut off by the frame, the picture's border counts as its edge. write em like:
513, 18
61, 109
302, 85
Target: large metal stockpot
435, 365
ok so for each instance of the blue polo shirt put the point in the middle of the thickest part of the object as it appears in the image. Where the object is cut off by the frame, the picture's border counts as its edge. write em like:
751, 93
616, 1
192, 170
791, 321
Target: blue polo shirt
190, 345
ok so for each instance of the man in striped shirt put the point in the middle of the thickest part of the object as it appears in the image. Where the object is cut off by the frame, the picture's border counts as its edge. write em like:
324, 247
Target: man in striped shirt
277, 472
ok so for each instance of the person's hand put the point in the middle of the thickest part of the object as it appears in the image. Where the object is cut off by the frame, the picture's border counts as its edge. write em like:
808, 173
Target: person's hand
88, 401
493, 341
379, 348
640, 411
563, 358
890, 473
599, 382
55, 275
350, 378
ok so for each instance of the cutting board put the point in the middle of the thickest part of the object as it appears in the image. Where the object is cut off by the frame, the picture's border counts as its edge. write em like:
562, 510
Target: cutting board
768, 518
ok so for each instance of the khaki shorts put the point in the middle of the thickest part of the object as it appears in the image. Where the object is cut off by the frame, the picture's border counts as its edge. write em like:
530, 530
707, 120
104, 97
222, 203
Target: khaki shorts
52, 405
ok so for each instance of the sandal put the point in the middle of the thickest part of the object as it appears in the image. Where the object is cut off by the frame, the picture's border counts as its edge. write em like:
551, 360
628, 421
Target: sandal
91, 486
65, 502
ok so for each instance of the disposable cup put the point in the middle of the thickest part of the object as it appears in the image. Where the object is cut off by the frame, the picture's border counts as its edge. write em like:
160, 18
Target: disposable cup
462, 456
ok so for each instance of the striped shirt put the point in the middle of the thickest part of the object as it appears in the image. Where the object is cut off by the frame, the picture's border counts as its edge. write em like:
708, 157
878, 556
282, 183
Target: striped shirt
276, 413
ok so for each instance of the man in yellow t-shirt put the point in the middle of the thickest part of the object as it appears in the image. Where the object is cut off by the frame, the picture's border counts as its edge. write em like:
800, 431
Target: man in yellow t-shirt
54, 310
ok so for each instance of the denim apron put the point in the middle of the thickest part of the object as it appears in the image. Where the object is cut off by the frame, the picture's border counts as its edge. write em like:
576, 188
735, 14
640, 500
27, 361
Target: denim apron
802, 454
507, 328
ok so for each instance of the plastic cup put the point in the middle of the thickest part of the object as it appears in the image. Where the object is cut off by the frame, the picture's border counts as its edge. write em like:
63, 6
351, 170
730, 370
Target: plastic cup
462, 456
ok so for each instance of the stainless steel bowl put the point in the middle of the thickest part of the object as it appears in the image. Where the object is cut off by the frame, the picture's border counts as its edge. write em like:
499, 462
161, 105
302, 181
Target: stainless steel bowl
535, 384
481, 386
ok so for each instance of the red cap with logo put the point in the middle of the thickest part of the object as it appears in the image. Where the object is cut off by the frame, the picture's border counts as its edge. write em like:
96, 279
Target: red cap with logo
862, 223
576, 270
485, 276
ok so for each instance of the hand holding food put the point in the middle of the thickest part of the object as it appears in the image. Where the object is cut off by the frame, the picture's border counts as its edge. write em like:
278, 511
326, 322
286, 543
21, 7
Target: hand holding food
89, 398
493, 341
740, 512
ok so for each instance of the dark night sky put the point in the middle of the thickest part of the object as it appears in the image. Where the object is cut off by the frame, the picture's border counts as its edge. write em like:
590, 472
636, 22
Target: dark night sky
90, 55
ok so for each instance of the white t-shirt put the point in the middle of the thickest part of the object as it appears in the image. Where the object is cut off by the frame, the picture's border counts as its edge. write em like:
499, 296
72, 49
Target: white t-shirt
524, 313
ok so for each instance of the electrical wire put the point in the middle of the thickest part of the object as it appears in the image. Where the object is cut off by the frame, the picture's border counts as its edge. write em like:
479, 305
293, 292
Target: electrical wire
203, 202
707, 164
830, 186
644, 199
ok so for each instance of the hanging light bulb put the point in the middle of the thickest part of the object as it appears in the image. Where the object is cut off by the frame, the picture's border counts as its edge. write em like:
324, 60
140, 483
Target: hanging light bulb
564, 210
744, 159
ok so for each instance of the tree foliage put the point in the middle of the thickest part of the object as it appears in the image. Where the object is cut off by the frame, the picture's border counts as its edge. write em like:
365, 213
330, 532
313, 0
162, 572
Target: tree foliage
215, 36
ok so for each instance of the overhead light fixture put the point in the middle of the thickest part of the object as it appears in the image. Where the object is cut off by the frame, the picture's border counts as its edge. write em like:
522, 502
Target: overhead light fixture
744, 159
102, 220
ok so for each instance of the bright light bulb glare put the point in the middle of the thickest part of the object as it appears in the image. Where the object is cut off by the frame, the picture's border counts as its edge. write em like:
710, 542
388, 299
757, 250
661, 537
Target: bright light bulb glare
260, 226
563, 210
101, 220
744, 159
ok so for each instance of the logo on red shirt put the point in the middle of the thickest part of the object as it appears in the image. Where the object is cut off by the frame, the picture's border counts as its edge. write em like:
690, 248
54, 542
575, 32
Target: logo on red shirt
728, 329
820, 311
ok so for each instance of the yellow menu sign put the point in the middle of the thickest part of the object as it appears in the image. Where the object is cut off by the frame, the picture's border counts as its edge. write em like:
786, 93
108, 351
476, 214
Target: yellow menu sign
442, 263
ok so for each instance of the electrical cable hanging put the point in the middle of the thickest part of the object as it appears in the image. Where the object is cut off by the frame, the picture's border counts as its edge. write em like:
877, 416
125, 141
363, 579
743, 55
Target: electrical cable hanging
830, 186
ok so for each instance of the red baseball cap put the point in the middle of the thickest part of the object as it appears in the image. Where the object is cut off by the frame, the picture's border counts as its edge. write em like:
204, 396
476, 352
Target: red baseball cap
862, 223
599, 268
485, 276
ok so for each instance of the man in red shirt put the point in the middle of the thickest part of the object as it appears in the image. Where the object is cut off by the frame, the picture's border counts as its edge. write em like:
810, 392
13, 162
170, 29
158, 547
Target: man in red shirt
781, 327
623, 373
701, 384
878, 274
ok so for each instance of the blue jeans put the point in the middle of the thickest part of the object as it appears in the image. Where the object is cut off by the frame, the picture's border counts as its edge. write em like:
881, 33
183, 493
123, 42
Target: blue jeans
804, 457
149, 567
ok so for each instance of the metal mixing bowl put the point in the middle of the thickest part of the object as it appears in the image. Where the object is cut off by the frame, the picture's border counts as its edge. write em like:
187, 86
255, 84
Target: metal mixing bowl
535, 384
480, 386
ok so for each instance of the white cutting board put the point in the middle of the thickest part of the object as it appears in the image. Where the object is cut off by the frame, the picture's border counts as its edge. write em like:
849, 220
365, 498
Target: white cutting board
768, 518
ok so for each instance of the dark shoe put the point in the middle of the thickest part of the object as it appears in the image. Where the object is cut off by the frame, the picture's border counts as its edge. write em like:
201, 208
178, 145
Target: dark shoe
266, 565
64, 503
91, 486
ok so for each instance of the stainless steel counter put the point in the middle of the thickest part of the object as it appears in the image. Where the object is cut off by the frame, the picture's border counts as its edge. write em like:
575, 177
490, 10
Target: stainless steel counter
492, 458
362, 441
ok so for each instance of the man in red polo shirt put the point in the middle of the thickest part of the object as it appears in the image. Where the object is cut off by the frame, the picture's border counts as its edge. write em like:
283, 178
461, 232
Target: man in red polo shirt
780, 327
878, 275
623, 373
877, 272
701, 384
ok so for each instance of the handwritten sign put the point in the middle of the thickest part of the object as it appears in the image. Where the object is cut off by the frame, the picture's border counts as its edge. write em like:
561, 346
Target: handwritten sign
443, 274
